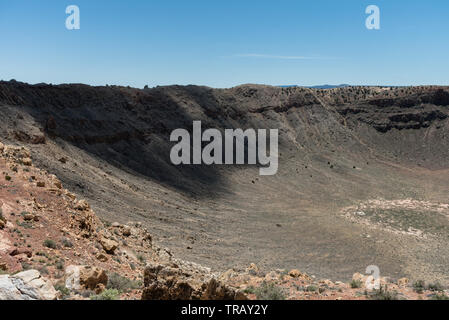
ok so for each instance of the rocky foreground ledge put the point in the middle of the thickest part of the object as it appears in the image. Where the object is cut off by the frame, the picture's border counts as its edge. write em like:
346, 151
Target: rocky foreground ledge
53, 246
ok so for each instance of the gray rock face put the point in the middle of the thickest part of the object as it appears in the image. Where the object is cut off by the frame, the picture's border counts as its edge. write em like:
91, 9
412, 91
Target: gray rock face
26, 285
7, 289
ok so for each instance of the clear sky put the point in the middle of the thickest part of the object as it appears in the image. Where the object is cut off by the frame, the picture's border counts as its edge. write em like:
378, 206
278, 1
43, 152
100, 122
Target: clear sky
225, 43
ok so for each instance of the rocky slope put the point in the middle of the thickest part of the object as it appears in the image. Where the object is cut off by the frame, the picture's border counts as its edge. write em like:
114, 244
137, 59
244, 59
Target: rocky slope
46, 231
53, 246
363, 174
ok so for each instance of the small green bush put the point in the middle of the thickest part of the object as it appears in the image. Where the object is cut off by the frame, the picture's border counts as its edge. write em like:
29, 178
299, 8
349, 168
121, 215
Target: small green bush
269, 291
122, 284
419, 286
356, 284
141, 258
63, 289
311, 288
50, 244
249, 290
383, 294
108, 294
60, 265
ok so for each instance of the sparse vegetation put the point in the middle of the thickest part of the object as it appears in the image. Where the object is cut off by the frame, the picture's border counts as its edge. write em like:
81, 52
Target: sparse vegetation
436, 286
311, 288
269, 291
59, 265
26, 266
123, 284
108, 294
66, 243
141, 258
249, 290
419, 286
63, 289
440, 296
43, 270
356, 284
50, 244
383, 294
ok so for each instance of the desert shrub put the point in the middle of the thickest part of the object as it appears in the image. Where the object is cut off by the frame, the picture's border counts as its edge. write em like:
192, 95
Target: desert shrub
108, 294
63, 289
25, 224
269, 291
66, 243
50, 244
384, 294
141, 258
59, 265
43, 270
86, 293
42, 254
440, 296
25, 266
419, 286
311, 288
122, 284
436, 286
356, 284
249, 290
106, 223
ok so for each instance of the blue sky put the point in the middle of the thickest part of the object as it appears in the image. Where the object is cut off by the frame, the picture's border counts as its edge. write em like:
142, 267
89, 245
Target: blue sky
225, 43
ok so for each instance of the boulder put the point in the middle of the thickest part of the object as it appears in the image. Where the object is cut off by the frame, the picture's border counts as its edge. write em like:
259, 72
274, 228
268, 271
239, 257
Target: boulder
164, 282
403, 282
108, 245
126, 231
295, 273
27, 162
21, 251
86, 221
85, 277
253, 269
82, 205
227, 275
8, 290
93, 278
26, 285
102, 257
